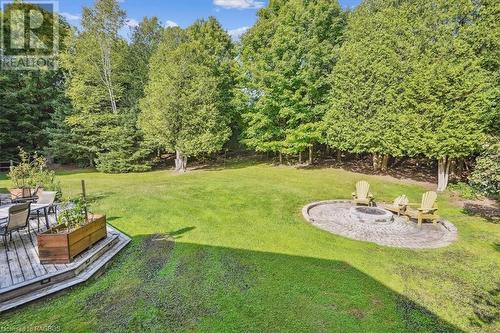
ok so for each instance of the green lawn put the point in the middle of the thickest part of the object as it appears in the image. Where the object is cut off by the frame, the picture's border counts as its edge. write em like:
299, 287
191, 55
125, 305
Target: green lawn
227, 250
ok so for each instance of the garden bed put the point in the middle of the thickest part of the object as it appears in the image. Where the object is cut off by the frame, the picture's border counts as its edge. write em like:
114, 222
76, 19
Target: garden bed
58, 245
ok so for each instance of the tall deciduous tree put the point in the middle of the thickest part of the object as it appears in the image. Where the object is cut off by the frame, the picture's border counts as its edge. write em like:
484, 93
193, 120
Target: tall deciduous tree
102, 128
188, 103
144, 42
286, 59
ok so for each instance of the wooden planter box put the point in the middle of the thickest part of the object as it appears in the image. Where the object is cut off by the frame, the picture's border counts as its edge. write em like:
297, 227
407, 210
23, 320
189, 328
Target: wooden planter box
57, 246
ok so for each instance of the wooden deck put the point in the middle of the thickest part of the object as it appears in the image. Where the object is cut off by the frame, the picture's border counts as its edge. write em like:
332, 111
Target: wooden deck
23, 278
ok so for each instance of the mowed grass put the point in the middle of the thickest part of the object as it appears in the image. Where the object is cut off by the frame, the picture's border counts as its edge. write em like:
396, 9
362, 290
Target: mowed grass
227, 250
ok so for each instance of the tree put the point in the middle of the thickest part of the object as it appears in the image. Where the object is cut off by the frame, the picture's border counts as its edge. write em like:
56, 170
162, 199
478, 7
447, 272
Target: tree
144, 42
102, 128
448, 89
484, 37
408, 83
188, 102
28, 99
286, 58
364, 115
486, 175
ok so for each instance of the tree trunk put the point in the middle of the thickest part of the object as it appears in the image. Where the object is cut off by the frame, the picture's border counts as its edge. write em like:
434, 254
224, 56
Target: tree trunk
443, 173
384, 163
310, 155
281, 158
300, 157
180, 161
376, 161
339, 155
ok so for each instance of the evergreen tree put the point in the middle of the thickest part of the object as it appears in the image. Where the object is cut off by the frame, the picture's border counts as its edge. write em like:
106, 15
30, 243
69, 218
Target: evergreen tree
188, 104
286, 59
28, 99
409, 83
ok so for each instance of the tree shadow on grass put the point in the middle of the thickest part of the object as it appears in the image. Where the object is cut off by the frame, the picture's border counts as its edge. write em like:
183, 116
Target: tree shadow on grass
488, 212
229, 165
417, 170
180, 232
168, 285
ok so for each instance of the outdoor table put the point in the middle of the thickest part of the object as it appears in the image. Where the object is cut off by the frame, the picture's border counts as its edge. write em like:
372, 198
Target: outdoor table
4, 212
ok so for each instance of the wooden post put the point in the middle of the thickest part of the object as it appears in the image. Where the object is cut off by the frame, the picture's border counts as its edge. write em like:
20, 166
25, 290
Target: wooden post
84, 197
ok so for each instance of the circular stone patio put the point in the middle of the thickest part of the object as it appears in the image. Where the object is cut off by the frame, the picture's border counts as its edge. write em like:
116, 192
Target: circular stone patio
338, 218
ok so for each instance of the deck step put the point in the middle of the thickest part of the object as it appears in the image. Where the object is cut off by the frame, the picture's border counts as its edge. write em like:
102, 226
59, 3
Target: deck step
37, 288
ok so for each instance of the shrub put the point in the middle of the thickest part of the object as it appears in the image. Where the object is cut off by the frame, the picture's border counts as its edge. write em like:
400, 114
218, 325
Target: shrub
464, 190
486, 175
32, 171
73, 213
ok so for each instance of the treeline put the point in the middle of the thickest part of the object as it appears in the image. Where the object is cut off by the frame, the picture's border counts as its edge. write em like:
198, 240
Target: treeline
390, 79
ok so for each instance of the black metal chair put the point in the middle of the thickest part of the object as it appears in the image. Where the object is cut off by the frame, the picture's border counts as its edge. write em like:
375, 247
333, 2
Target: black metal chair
17, 219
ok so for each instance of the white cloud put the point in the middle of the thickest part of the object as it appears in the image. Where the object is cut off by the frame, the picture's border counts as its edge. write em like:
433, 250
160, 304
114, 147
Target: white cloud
170, 24
70, 17
132, 23
239, 4
236, 33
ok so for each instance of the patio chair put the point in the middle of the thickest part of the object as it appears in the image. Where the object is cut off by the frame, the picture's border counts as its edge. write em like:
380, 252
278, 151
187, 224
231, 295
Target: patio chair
398, 206
362, 194
45, 203
17, 219
427, 210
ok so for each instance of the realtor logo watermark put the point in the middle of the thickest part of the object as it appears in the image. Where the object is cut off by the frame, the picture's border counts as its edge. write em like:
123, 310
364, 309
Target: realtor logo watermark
29, 35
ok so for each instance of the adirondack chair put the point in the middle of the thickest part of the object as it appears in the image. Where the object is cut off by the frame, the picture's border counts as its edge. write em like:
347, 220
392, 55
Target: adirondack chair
362, 194
398, 206
427, 210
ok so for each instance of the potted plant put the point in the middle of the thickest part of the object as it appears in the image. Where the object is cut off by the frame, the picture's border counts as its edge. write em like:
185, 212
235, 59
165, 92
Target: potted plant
75, 232
30, 173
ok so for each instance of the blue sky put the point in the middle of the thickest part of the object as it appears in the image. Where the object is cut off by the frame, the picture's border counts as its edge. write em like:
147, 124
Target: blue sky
235, 15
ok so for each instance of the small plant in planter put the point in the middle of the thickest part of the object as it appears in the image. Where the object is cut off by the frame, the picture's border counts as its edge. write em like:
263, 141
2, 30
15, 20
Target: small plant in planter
73, 214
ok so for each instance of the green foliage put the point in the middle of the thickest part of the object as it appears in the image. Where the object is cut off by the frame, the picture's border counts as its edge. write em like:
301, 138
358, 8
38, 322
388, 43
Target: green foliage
464, 190
28, 99
486, 175
144, 42
73, 213
188, 102
32, 172
408, 82
286, 59
122, 149
102, 129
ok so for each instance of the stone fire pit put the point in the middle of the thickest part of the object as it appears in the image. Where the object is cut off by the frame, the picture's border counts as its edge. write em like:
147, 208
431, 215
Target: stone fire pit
370, 214
377, 225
